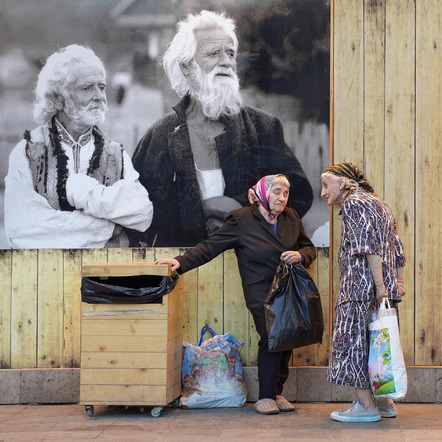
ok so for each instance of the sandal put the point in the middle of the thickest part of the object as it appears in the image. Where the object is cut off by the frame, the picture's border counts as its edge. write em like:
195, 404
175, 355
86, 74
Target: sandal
283, 404
266, 406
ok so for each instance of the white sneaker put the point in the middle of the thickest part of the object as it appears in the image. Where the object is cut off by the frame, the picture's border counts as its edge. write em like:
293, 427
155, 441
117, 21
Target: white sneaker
356, 413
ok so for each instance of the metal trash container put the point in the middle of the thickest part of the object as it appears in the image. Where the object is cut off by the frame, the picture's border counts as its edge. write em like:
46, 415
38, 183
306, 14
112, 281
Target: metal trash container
131, 352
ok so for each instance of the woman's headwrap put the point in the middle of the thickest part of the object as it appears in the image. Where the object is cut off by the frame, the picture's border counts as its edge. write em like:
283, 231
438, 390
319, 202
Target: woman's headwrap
262, 191
349, 170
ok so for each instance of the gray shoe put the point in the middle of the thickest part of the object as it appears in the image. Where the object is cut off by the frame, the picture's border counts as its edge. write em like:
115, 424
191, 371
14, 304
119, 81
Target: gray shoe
386, 409
356, 413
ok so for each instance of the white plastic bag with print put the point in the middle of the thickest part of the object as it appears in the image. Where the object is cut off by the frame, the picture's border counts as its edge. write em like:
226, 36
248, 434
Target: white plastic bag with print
386, 367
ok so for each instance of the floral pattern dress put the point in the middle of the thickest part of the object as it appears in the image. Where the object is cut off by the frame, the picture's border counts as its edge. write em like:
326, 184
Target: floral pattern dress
368, 227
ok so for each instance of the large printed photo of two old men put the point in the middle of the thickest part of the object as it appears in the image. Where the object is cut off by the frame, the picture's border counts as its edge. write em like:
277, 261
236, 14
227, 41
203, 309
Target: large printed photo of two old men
271, 117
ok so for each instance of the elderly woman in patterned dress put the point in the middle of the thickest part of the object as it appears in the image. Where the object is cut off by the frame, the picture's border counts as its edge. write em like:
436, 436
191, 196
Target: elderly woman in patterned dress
371, 261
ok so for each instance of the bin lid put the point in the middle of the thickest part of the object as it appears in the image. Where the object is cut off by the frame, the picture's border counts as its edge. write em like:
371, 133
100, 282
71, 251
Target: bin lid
126, 269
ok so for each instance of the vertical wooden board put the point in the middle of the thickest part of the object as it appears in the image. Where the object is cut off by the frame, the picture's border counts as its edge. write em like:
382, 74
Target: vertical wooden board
323, 285
252, 356
428, 195
400, 144
143, 255
93, 256
210, 295
50, 308
119, 255
236, 318
72, 307
348, 108
5, 308
191, 327
24, 309
348, 81
374, 65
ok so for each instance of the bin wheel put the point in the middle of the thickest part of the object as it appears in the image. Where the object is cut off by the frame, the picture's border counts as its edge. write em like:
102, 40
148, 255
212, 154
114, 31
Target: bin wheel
141, 409
89, 410
156, 411
176, 403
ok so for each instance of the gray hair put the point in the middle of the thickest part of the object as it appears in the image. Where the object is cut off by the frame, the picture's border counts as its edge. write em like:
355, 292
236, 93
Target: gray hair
181, 50
56, 75
348, 182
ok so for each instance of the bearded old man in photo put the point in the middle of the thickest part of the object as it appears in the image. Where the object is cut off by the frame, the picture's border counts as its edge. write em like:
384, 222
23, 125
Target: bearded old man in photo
68, 184
198, 162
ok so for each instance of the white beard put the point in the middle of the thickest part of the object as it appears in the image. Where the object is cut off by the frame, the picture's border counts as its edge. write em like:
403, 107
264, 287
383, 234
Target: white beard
218, 95
85, 116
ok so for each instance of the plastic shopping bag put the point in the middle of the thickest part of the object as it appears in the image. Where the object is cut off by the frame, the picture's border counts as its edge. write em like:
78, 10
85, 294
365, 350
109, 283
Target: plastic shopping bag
386, 367
212, 372
293, 309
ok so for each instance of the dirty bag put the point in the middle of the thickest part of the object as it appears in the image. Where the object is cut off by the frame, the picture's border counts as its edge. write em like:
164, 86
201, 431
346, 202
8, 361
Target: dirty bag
386, 366
212, 372
293, 309
140, 289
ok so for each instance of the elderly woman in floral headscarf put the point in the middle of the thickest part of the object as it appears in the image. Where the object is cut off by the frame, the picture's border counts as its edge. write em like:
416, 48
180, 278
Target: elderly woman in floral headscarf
371, 261
262, 235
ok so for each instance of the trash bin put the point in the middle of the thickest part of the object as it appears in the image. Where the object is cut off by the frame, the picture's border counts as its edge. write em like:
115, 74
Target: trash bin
131, 352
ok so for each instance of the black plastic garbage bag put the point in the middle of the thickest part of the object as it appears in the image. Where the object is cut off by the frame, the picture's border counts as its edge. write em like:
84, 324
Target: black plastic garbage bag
293, 309
140, 289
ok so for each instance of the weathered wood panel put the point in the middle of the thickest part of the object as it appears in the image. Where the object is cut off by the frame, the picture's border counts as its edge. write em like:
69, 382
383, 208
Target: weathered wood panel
374, 89
50, 308
24, 309
5, 307
428, 224
399, 144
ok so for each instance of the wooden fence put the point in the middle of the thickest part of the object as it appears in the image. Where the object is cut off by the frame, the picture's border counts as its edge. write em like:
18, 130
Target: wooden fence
41, 304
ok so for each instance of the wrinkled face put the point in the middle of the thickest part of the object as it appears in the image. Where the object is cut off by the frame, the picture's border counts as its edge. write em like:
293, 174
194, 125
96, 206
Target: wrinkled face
215, 51
86, 101
332, 191
279, 195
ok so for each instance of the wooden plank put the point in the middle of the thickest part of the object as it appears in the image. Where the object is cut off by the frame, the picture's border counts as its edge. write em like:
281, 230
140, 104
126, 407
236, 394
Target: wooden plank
111, 312
143, 255
152, 344
348, 108
123, 376
24, 309
399, 144
72, 307
50, 308
122, 395
236, 318
123, 327
93, 256
119, 255
348, 131
123, 360
191, 327
125, 269
210, 295
5, 308
374, 93
428, 224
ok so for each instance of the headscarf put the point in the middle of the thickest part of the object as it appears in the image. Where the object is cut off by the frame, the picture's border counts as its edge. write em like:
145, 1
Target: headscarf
262, 191
349, 170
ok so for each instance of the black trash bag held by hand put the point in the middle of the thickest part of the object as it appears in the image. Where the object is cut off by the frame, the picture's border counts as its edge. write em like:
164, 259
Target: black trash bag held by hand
293, 309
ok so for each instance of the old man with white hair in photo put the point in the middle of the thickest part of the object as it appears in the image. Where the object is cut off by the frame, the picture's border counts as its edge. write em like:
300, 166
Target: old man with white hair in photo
198, 162
68, 184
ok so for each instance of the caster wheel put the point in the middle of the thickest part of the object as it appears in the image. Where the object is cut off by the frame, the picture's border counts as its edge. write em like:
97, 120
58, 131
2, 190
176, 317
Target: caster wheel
141, 409
156, 411
176, 403
89, 410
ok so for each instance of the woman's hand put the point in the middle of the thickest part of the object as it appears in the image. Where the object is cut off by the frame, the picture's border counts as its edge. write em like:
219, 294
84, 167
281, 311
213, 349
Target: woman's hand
173, 262
291, 257
402, 290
